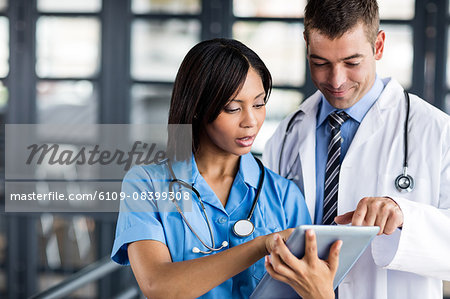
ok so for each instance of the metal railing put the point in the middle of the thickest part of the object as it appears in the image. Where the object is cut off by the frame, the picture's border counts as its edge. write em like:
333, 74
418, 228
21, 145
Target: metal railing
91, 273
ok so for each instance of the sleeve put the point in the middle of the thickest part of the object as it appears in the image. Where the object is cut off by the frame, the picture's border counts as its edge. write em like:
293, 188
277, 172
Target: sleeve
422, 246
295, 206
138, 218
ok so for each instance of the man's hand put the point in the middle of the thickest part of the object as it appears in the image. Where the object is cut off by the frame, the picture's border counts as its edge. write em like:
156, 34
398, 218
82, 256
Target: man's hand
375, 211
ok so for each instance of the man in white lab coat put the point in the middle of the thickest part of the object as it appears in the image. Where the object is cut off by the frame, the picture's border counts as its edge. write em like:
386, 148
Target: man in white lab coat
411, 256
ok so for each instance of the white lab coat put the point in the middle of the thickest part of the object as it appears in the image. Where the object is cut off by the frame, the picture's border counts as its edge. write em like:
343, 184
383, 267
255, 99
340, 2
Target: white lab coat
411, 262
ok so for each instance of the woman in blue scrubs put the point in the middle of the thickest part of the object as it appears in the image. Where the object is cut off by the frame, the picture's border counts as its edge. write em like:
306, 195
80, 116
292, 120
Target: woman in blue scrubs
221, 89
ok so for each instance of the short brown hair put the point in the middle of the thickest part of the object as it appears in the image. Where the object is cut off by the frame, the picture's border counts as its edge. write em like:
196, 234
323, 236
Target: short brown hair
333, 18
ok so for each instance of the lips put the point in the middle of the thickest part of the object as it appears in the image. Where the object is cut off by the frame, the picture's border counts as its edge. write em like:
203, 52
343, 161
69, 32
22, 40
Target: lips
245, 141
336, 92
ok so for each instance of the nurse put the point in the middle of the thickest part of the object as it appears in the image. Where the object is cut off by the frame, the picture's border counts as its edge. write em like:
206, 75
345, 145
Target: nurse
221, 89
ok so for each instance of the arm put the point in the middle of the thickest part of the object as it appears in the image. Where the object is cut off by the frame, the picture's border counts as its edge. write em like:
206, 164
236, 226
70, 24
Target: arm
310, 276
422, 245
159, 277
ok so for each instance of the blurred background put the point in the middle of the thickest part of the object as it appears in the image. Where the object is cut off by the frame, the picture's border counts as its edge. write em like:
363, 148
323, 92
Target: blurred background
114, 61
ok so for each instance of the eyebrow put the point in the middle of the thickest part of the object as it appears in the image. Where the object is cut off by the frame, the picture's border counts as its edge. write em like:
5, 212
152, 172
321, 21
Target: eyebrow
240, 101
345, 58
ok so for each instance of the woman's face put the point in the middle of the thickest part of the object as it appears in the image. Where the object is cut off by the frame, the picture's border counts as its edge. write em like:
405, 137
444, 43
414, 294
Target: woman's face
235, 129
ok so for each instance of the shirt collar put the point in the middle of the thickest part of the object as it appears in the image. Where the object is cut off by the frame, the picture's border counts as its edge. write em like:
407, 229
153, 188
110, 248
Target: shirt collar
248, 170
359, 109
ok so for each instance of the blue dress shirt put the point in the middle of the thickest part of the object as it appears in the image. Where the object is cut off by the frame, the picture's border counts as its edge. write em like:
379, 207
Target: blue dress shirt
281, 205
348, 131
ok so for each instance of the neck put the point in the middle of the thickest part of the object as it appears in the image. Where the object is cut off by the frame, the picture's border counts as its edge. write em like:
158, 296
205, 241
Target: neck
213, 164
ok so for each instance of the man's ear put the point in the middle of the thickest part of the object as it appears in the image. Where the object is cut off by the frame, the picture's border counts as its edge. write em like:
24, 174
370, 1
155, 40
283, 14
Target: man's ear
379, 44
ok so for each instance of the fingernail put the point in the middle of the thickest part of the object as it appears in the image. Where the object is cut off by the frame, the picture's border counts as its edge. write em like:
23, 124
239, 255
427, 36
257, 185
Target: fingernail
339, 245
310, 232
266, 258
275, 237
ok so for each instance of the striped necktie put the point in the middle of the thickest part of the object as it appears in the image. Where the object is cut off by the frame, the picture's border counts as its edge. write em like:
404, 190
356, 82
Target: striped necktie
335, 120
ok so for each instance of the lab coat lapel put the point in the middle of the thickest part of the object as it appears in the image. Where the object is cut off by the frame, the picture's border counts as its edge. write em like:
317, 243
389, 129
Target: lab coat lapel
372, 123
307, 150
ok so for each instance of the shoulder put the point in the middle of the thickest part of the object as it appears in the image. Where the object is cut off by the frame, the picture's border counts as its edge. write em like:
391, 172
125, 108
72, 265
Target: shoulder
281, 185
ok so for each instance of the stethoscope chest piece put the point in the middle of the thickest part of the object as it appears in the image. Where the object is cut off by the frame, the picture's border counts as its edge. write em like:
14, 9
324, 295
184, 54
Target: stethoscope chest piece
243, 228
404, 183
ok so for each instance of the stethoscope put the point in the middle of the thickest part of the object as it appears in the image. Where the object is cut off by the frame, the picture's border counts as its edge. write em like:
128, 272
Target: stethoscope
241, 228
403, 183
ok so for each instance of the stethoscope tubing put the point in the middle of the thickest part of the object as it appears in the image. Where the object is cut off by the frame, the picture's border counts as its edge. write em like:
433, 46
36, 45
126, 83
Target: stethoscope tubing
405, 147
212, 248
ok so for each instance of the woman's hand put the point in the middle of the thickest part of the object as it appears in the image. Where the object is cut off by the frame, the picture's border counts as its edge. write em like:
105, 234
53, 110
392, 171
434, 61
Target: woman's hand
310, 276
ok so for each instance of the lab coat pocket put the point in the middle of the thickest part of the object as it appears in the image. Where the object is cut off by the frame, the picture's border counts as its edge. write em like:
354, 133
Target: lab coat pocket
258, 270
422, 191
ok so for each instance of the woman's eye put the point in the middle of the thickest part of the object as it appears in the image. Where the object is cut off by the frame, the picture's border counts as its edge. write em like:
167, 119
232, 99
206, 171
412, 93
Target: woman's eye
259, 105
231, 110
352, 63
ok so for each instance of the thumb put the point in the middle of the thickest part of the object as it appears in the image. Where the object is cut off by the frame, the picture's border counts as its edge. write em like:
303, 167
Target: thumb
344, 218
333, 257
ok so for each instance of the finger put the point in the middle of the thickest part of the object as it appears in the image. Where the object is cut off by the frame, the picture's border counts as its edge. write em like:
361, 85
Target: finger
371, 214
286, 255
391, 224
344, 218
272, 271
277, 263
381, 221
360, 212
310, 246
333, 256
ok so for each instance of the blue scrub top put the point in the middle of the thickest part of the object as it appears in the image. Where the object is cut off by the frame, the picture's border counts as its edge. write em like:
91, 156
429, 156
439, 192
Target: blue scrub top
281, 205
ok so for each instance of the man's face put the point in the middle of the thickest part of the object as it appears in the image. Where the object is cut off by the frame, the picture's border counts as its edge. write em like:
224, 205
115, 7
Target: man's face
343, 69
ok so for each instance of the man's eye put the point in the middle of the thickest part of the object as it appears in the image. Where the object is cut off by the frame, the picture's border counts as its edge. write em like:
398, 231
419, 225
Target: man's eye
319, 64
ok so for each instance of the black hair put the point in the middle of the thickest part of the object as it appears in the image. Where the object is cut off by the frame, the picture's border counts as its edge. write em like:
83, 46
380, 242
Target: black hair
212, 72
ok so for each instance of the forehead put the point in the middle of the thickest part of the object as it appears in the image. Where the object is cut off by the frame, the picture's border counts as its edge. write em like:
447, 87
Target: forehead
351, 42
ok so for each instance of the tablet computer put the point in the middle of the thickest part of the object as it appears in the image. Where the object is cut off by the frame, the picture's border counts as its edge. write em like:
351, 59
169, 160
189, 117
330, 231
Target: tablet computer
355, 241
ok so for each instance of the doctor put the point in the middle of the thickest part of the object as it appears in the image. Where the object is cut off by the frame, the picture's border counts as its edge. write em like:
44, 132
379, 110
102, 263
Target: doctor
205, 250
348, 149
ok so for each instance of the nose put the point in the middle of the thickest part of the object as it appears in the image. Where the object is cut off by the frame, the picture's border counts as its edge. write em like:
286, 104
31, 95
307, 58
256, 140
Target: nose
249, 118
337, 76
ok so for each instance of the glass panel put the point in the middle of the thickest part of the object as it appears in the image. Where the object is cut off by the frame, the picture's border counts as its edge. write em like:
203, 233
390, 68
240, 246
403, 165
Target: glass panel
3, 96
158, 47
4, 47
150, 104
280, 104
269, 8
397, 60
447, 110
398, 9
67, 47
69, 5
283, 53
67, 102
3, 4
66, 244
167, 6
448, 57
